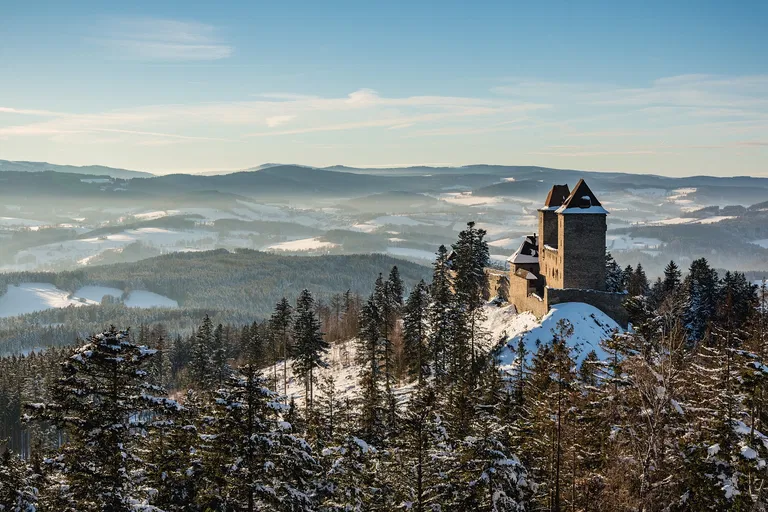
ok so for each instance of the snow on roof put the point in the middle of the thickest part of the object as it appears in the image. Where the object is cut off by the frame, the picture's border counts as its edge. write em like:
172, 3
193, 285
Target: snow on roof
527, 253
590, 209
582, 200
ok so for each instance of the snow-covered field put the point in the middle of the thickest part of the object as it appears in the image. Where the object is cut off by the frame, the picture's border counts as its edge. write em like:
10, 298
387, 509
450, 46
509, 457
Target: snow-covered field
305, 244
17, 222
626, 242
406, 252
467, 199
762, 243
83, 250
31, 297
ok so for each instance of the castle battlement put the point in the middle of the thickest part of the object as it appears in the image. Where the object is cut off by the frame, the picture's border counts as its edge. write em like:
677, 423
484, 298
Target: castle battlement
565, 261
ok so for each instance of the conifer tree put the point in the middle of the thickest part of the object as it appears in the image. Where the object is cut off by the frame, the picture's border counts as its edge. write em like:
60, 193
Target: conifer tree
367, 357
309, 346
672, 278
471, 256
280, 325
415, 329
702, 287
441, 318
218, 356
200, 367
614, 276
100, 462
18, 492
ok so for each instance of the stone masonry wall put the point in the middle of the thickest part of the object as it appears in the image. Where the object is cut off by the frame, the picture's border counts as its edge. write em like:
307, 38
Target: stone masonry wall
497, 284
608, 302
582, 250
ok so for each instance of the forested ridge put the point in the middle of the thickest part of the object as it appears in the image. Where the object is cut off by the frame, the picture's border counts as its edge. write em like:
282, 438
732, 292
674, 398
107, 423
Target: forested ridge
149, 419
233, 287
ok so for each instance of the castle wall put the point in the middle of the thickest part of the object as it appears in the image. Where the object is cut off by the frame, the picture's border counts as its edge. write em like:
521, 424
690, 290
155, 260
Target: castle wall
581, 248
497, 284
609, 303
547, 228
521, 295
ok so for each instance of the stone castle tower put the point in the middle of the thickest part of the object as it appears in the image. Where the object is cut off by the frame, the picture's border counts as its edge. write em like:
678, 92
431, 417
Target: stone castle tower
572, 228
565, 262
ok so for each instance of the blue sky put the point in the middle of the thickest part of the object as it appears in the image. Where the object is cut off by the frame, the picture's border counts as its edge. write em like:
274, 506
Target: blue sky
183, 87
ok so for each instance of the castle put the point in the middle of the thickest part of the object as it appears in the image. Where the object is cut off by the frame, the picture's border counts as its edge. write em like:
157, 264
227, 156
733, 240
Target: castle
565, 262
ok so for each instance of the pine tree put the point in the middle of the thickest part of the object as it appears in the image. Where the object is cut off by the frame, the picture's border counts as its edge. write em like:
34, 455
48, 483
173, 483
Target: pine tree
280, 325
441, 319
309, 345
638, 282
550, 395
369, 376
627, 277
672, 276
100, 462
218, 356
415, 329
493, 479
702, 287
352, 480
329, 412
200, 367
387, 307
614, 276
173, 456
471, 258
18, 492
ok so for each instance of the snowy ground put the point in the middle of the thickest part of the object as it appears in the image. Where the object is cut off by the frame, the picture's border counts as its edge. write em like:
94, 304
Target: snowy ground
504, 326
305, 244
590, 326
31, 297
626, 242
84, 250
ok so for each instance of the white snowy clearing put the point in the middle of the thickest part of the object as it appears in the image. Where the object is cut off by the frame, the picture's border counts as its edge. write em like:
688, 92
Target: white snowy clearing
30, 297
84, 250
305, 244
504, 326
762, 243
626, 242
590, 326
467, 199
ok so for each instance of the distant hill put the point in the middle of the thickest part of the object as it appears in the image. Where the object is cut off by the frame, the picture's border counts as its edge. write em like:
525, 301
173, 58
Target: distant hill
91, 170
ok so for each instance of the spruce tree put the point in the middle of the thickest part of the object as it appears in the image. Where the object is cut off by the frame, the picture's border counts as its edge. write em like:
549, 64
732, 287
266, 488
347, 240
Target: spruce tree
280, 325
441, 313
100, 463
18, 489
415, 329
309, 346
614, 276
369, 376
200, 367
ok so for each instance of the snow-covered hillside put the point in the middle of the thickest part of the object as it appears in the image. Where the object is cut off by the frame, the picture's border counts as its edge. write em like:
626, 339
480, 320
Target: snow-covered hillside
504, 326
590, 326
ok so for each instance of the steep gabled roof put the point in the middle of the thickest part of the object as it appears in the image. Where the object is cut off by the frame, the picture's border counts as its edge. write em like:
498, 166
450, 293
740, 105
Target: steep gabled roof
528, 252
556, 197
582, 200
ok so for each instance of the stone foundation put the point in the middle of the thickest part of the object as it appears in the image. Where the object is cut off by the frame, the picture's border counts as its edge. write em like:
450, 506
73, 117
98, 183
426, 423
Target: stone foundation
523, 294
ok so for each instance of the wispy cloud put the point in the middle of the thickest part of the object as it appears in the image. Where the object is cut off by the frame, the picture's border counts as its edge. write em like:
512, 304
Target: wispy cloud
164, 40
273, 121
